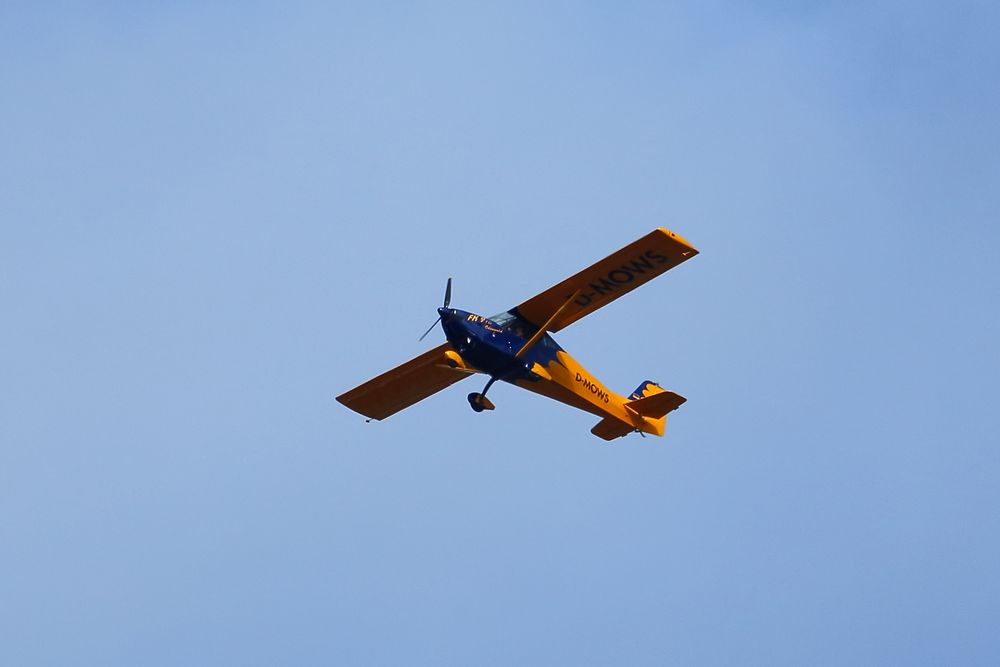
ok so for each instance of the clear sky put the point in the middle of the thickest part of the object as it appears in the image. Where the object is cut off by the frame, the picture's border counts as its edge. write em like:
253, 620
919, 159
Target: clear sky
216, 217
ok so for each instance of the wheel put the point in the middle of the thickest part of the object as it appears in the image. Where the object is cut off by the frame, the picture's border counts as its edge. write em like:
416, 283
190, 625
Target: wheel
475, 400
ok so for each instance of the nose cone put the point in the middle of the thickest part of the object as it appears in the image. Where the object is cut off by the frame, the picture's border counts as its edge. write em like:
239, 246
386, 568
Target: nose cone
447, 317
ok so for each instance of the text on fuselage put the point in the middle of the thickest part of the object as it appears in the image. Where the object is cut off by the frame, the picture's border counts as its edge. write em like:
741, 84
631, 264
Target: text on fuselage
485, 321
593, 388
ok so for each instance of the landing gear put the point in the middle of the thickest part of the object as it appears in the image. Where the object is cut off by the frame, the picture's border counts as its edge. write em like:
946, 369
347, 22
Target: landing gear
479, 402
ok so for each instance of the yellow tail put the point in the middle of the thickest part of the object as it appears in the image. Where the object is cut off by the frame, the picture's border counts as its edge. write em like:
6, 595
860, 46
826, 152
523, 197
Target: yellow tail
649, 406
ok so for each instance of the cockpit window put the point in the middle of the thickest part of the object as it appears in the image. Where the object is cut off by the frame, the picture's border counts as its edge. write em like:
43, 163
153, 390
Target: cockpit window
524, 329
515, 325
502, 319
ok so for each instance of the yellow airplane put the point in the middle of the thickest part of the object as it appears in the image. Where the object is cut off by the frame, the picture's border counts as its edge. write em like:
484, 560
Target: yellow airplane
516, 347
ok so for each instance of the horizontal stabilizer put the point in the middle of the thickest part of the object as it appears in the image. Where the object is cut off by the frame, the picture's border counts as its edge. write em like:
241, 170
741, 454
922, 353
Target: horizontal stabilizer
657, 405
650, 413
610, 428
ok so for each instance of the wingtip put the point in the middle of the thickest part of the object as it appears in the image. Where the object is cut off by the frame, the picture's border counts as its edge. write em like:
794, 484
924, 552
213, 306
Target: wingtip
674, 236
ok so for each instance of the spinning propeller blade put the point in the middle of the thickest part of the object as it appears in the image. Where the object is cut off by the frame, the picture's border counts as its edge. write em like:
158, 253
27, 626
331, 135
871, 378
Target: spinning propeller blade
429, 330
447, 302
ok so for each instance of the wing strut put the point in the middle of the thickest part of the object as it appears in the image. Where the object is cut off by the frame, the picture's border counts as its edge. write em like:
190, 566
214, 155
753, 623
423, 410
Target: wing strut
541, 331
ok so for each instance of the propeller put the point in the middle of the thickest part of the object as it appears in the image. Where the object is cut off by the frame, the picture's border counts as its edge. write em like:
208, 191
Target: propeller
447, 302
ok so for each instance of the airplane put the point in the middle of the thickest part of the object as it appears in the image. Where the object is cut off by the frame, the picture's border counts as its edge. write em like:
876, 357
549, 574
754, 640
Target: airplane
516, 347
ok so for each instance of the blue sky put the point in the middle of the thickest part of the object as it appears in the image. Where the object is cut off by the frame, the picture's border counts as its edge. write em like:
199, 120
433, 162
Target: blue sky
215, 219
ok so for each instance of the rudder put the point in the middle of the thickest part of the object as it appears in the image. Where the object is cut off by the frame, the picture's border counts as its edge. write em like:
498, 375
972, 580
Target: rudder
647, 388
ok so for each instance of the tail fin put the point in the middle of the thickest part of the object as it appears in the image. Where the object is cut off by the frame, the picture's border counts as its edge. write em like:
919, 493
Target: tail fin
647, 388
650, 403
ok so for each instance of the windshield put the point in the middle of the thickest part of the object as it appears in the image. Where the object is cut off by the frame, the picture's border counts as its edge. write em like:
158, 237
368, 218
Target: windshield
515, 325
523, 329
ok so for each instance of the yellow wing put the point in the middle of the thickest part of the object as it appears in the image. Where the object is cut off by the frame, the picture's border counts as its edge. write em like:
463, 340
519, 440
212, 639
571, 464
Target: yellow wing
600, 284
404, 385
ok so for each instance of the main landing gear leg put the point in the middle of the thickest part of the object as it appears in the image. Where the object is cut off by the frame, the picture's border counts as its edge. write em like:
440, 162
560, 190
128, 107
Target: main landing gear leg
479, 402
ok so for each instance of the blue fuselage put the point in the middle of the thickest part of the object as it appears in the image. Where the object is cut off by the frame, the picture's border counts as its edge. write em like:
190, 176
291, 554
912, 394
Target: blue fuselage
491, 346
